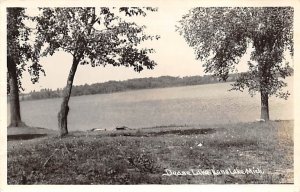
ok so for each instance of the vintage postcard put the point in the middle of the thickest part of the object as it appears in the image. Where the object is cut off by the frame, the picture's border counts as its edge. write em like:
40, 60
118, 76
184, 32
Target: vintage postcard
149, 95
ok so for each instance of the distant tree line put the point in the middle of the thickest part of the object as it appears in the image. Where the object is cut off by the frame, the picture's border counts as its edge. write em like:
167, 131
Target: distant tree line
131, 84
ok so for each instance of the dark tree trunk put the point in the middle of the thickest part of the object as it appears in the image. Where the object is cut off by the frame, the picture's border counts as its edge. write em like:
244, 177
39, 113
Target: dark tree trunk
15, 115
64, 109
264, 105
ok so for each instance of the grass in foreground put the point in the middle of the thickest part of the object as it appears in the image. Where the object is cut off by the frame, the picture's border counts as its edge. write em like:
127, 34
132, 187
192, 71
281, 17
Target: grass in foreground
142, 156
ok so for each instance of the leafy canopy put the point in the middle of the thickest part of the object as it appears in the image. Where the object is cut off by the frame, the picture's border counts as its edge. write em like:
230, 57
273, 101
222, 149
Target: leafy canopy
220, 36
95, 36
19, 48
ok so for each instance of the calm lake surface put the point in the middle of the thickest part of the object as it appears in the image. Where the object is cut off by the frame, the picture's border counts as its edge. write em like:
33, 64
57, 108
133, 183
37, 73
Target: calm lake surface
191, 105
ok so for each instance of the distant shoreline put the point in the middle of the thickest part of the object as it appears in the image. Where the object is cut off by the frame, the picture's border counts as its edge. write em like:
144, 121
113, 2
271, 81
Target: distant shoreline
127, 85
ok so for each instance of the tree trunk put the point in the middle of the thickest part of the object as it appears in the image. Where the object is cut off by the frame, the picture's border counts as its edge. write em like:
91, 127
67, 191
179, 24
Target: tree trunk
15, 115
64, 109
264, 105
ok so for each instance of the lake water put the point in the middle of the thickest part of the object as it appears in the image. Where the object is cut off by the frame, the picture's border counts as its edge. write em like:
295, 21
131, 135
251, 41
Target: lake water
191, 105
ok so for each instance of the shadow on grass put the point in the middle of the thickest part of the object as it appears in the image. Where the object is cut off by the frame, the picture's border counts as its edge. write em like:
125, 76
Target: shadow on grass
24, 136
175, 132
236, 143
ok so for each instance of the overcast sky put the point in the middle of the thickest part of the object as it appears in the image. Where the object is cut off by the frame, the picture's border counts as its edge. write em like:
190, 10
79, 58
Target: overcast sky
173, 56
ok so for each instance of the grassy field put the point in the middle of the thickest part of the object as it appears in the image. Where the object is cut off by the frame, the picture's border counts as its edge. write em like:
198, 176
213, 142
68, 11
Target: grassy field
146, 156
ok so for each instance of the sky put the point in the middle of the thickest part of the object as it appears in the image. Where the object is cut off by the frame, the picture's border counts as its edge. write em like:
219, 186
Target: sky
173, 56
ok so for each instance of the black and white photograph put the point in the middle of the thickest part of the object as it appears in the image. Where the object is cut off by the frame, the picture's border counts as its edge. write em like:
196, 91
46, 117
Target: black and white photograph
148, 94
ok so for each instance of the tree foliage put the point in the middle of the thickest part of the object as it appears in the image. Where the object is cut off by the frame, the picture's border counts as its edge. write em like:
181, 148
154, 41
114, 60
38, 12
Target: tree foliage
98, 36
220, 36
19, 48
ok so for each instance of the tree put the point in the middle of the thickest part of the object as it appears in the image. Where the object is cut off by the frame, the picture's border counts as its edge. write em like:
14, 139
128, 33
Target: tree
220, 36
19, 51
93, 36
